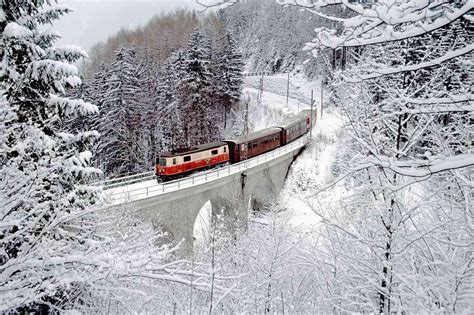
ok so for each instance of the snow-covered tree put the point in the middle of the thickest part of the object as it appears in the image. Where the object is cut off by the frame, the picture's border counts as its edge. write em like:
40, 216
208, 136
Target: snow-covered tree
195, 92
121, 147
80, 122
263, 265
45, 174
149, 108
407, 104
171, 117
228, 78
401, 241
271, 36
158, 38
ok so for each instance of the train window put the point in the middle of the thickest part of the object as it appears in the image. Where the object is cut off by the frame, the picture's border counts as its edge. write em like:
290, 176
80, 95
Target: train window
162, 162
187, 158
214, 152
225, 149
174, 161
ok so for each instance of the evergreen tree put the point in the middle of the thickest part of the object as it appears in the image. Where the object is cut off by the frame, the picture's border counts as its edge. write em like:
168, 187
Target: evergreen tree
96, 90
229, 77
171, 116
45, 172
147, 107
120, 150
80, 122
195, 92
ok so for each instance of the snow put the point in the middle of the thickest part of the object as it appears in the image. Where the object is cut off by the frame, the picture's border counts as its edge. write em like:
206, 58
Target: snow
375, 73
316, 163
64, 50
72, 106
376, 25
52, 68
202, 227
273, 107
15, 30
2, 15
425, 169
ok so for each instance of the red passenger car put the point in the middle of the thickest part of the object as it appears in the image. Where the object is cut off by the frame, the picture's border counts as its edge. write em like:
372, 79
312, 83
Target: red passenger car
171, 165
294, 128
253, 144
307, 114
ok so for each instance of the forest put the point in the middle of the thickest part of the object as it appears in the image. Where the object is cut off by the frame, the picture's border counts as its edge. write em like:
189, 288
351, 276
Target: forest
376, 215
174, 92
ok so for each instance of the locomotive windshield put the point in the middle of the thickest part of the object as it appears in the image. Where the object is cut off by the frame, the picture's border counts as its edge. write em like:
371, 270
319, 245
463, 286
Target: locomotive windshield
162, 162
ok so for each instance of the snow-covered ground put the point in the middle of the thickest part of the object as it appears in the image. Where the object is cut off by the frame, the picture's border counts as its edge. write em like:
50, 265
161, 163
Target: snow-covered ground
311, 169
273, 106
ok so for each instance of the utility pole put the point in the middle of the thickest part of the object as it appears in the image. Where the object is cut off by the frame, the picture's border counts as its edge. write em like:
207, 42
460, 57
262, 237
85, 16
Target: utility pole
244, 173
246, 132
322, 89
287, 89
311, 117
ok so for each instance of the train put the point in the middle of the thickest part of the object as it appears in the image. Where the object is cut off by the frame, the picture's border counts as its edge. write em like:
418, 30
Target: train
177, 164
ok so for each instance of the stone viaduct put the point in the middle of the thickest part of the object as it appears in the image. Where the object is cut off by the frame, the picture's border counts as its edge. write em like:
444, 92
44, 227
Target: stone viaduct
232, 193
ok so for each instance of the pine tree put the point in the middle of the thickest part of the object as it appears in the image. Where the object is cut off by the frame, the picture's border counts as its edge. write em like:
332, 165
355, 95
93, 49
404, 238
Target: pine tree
171, 116
80, 122
147, 107
96, 91
195, 92
120, 150
228, 72
45, 172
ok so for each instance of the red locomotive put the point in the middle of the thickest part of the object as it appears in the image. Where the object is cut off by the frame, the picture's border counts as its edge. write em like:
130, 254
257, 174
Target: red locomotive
173, 165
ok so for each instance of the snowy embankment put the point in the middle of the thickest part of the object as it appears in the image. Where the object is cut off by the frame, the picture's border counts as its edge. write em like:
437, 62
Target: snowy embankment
273, 106
313, 167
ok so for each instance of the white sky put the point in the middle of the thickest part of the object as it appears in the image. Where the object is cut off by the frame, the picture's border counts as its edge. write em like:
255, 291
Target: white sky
95, 20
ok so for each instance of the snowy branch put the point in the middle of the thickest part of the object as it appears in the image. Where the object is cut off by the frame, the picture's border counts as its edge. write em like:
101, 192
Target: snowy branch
378, 72
378, 25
